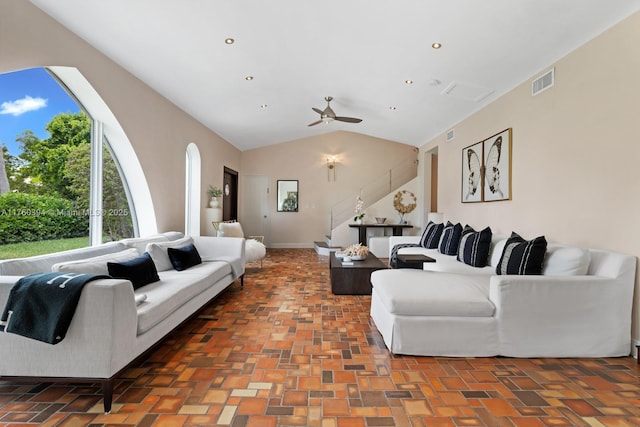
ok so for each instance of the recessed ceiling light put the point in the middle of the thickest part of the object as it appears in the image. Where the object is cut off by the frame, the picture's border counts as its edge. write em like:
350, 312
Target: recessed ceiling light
229, 40
392, 108
436, 45
409, 81
263, 106
249, 78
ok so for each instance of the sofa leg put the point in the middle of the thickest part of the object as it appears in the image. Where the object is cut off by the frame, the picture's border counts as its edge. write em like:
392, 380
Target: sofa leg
242, 281
107, 395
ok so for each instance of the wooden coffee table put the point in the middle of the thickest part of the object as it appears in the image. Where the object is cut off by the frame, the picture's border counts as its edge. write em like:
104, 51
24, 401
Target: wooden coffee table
354, 279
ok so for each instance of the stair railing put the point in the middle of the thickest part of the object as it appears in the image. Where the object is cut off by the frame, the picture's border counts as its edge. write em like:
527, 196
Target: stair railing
373, 191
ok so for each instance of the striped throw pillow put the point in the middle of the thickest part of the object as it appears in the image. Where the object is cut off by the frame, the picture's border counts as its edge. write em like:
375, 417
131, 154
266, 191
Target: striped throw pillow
474, 246
450, 239
431, 235
522, 256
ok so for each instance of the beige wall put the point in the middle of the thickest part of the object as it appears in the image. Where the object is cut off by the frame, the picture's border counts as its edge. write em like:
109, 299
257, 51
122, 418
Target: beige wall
360, 160
576, 149
157, 129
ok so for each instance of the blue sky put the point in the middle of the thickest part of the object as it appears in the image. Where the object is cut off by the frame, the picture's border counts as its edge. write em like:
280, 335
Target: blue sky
29, 99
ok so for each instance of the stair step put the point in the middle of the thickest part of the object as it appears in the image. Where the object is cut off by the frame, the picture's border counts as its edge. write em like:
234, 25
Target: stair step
322, 248
327, 239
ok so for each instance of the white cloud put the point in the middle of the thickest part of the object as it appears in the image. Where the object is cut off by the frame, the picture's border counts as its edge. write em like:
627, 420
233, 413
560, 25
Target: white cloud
21, 106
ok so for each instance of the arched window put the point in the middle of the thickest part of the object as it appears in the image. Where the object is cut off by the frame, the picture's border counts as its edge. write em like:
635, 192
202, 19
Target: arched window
92, 188
192, 190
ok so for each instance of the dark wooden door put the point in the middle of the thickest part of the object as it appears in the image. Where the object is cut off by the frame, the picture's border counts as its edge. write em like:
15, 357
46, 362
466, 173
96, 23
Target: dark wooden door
230, 195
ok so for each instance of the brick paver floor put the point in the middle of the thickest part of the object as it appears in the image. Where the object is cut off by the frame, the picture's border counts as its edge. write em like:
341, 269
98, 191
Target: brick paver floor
285, 351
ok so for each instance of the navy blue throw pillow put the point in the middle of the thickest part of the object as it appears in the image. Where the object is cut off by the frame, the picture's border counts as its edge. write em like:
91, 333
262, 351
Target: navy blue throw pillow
474, 246
450, 239
431, 235
522, 256
184, 257
140, 271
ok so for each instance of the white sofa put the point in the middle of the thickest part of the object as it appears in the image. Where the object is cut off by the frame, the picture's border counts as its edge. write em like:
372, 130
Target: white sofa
109, 330
579, 307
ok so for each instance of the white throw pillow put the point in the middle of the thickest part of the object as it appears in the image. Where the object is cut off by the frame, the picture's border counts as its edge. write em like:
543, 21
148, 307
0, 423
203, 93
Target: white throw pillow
159, 255
497, 246
566, 261
140, 243
230, 229
95, 265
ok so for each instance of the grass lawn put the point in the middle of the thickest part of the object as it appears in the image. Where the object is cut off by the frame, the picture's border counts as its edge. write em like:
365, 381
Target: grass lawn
21, 250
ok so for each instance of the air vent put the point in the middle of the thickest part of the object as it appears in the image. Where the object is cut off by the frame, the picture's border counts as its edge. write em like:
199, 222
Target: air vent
451, 134
466, 91
543, 82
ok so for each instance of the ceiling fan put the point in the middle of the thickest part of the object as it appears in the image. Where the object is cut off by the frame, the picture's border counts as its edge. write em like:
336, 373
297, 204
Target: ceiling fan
327, 115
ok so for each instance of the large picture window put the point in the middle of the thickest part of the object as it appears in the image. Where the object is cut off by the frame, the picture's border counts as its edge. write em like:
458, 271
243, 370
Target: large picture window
61, 185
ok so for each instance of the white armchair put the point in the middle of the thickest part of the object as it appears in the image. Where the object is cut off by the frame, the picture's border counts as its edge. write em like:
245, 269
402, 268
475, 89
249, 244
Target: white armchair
255, 249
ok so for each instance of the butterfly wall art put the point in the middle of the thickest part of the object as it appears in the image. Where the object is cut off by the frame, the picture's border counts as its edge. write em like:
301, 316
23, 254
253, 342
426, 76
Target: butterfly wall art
486, 169
472, 173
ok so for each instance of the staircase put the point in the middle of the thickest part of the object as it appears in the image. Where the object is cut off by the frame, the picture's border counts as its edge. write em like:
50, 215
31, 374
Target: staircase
325, 248
343, 211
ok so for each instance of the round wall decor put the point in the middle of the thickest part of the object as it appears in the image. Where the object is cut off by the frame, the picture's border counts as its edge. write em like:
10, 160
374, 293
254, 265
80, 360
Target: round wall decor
404, 202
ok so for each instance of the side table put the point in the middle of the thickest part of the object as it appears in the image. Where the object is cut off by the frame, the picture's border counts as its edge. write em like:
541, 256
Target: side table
362, 230
412, 261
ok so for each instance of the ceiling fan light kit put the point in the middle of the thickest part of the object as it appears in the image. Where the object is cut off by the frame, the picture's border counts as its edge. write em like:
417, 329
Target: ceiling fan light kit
327, 115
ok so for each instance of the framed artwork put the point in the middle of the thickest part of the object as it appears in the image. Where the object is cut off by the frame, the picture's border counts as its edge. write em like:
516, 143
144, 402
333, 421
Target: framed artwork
497, 167
287, 197
472, 183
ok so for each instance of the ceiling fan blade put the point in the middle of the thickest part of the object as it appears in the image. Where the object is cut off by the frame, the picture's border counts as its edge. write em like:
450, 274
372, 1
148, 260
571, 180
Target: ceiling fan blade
329, 115
329, 112
348, 119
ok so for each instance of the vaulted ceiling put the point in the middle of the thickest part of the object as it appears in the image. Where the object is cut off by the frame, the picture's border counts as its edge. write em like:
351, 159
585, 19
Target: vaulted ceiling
374, 57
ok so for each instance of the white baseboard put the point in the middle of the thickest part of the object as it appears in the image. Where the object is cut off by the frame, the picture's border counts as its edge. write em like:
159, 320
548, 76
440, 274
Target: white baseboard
634, 348
291, 245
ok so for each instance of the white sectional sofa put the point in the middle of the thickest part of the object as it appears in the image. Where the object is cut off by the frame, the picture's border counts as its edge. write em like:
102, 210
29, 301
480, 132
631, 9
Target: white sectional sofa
580, 306
110, 329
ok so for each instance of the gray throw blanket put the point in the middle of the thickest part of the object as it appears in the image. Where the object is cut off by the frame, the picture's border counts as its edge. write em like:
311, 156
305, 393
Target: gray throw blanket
41, 305
235, 263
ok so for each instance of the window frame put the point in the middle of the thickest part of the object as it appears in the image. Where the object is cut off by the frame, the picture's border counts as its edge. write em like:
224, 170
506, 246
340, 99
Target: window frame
111, 133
